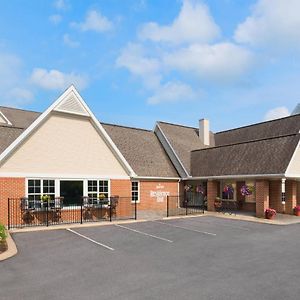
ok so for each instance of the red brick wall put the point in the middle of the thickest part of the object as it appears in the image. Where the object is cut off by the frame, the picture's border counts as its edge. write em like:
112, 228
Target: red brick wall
262, 197
212, 192
122, 188
148, 202
275, 196
290, 196
9, 188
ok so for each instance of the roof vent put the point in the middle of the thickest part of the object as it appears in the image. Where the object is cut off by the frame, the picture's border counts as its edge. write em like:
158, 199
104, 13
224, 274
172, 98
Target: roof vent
72, 105
204, 131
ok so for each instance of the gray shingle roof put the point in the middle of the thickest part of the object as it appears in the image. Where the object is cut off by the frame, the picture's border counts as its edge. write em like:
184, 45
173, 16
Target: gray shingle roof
266, 156
20, 120
183, 140
278, 127
142, 150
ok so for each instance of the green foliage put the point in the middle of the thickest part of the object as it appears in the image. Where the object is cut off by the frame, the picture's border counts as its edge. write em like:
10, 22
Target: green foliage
2, 233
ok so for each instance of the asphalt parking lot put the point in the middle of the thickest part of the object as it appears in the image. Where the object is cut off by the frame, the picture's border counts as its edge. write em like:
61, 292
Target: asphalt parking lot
189, 258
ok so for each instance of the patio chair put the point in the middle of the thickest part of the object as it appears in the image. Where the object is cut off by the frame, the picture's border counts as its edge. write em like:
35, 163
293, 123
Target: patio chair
56, 208
87, 207
26, 210
114, 200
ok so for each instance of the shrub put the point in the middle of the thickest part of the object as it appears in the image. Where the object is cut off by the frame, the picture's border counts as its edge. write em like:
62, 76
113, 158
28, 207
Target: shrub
2, 233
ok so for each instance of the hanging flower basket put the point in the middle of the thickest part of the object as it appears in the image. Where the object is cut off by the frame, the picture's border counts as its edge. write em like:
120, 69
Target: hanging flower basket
247, 190
270, 213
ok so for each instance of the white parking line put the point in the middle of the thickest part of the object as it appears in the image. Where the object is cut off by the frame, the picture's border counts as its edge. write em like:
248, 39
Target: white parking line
186, 228
144, 233
218, 224
89, 239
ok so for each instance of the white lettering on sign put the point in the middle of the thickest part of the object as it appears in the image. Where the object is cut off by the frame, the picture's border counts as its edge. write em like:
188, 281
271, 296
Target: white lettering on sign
159, 195
159, 186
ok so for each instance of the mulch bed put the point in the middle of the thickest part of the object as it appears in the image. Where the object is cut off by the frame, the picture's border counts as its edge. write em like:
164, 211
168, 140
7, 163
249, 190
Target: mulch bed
3, 247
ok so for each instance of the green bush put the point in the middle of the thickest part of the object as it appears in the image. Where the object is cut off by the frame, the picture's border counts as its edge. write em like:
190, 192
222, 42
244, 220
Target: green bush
2, 233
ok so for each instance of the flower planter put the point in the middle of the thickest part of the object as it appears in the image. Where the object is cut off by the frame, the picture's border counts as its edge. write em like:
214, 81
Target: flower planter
297, 213
270, 217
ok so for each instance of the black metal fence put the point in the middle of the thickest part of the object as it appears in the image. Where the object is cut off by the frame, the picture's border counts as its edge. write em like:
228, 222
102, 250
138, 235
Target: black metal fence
182, 205
24, 212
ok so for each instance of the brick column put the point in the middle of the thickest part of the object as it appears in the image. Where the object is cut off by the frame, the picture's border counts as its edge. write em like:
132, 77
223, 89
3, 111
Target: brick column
275, 196
290, 196
212, 193
262, 197
298, 192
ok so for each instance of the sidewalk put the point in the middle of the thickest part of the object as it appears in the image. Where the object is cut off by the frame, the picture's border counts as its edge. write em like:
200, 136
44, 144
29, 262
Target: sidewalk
280, 219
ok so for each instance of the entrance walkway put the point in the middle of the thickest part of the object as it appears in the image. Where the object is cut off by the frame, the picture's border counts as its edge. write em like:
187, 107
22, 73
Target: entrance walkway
280, 219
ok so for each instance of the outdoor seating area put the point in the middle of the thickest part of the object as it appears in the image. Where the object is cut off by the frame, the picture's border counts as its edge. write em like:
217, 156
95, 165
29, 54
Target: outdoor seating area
24, 212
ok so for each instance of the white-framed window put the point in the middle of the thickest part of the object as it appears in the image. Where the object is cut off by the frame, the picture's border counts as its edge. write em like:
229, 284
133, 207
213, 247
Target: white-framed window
228, 190
135, 191
38, 187
96, 188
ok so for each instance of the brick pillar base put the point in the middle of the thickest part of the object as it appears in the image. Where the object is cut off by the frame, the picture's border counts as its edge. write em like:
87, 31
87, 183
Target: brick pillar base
298, 192
275, 196
262, 197
290, 196
212, 193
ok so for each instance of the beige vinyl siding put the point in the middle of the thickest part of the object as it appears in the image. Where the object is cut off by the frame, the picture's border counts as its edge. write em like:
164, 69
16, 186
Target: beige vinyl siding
294, 166
64, 144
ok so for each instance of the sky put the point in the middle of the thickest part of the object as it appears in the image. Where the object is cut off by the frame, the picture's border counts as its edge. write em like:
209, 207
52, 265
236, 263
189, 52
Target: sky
134, 62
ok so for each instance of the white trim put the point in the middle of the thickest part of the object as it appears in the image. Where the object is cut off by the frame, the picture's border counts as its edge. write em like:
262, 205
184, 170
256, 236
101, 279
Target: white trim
139, 189
5, 119
62, 176
291, 161
236, 176
52, 107
155, 178
172, 149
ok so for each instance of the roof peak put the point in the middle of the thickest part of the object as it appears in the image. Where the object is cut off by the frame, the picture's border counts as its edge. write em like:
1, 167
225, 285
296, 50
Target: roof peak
124, 126
180, 125
255, 124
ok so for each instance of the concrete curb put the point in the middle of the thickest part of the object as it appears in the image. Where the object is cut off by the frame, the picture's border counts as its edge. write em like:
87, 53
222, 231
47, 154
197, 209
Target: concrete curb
11, 248
252, 219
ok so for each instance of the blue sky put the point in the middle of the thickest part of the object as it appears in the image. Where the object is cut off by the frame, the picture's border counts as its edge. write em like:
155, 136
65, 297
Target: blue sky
234, 62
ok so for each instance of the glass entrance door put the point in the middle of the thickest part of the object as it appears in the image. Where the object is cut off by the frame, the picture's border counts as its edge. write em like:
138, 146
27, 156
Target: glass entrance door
72, 191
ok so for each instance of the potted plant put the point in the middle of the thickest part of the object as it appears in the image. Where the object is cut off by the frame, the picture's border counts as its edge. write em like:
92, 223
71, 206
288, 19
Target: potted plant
218, 203
297, 210
3, 245
45, 200
270, 213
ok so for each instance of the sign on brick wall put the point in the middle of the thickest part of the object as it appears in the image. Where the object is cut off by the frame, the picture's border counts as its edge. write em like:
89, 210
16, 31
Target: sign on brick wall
159, 194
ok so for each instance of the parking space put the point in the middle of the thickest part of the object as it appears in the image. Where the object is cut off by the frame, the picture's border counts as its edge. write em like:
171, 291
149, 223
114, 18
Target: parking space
192, 258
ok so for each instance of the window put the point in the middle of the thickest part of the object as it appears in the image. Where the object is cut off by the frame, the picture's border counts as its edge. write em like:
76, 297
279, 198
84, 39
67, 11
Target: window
96, 188
228, 190
39, 187
134, 191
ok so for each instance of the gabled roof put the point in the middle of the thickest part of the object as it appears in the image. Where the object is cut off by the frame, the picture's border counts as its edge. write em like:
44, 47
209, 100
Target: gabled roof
263, 130
269, 156
143, 151
183, 140
19, 120
69, 102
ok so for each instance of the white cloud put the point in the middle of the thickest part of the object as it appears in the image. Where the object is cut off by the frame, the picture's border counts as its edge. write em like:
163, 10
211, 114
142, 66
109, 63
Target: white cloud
193, 24
276, 113
272, 22
69, 42
94, 21
56, 80
223, 61
172, 92
133, 58
61, 4
55, 19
